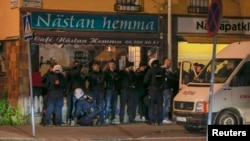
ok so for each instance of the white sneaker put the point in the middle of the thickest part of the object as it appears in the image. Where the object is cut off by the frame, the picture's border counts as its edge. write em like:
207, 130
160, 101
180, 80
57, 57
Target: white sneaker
114, 121
166, 121
143, 119
106, 121
72, 123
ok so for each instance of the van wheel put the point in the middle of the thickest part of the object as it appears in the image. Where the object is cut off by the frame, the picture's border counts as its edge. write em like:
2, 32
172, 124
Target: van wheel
193, 129
228, 118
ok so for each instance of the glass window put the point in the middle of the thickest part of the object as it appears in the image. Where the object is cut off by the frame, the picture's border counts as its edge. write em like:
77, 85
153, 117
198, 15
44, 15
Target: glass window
223, 69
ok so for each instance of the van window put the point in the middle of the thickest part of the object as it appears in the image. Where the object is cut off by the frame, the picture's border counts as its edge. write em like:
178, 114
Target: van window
242, 77
223, 69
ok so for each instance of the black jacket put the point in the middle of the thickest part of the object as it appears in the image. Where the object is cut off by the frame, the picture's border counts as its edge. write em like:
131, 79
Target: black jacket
112, 80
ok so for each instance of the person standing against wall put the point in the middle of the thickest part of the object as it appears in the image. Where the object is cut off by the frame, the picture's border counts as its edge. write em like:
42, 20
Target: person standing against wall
76, 79
56, 86
111, 91
169, 80
141, 90
96, 87
128, 95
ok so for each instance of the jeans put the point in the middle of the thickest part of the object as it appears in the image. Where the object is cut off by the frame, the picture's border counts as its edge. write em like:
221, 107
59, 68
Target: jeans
71, 103
111, 98
54, 105
99, 97
167, 97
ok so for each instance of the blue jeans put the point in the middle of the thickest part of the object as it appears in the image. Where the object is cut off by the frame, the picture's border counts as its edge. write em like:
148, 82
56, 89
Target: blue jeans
54, 105
111, 98
167, 97
99, 97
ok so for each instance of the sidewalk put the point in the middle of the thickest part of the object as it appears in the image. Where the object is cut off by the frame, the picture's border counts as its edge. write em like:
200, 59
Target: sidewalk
79, 133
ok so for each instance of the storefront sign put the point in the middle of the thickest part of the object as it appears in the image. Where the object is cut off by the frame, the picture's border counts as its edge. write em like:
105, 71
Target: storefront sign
227, 26
94, 40
95, 22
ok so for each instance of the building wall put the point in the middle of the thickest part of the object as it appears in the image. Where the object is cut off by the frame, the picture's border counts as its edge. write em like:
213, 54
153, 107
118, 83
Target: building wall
10, 17
9, 20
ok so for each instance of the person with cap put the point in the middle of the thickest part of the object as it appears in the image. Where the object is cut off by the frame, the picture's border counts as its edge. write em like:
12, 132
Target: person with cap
154, 79
112, 84
97, 87
56, 86
141, 90
128, 97
86, 109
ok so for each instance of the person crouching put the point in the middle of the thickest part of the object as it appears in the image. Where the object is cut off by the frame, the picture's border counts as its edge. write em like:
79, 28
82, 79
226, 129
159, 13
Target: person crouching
86, 109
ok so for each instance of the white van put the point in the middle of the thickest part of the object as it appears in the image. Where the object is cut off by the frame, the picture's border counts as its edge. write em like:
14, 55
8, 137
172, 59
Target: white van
231, 91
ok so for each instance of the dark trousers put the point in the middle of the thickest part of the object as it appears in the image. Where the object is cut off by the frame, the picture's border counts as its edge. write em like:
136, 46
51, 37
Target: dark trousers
128, 98
155, 107
98, 95
142, 107
71, 103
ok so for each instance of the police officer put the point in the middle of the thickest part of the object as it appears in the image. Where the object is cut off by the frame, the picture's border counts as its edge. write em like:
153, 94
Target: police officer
86, 109
154, 78
128, 95
56, 86
96, 87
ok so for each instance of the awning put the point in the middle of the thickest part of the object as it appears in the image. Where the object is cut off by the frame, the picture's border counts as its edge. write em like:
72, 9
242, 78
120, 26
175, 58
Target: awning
221, 39
118, 39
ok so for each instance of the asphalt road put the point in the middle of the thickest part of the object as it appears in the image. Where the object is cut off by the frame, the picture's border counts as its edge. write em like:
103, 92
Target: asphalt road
124, 132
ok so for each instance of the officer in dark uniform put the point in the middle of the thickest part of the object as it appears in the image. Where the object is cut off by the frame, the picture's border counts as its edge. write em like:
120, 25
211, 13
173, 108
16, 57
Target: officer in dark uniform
86, 109
128, 95
154, 79
96, 87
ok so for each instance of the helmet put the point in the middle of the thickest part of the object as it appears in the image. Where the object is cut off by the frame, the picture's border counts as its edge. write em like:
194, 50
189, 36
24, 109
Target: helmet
57, 69
78, 93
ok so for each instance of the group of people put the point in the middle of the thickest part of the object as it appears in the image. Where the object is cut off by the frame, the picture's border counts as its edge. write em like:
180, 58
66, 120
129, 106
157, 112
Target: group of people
93, 96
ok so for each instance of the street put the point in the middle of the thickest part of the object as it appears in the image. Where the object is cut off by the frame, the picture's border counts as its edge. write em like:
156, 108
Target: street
138, 131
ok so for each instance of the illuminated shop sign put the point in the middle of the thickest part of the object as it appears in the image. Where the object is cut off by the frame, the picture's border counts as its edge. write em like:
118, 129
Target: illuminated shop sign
227, 26
95, 22
95, 40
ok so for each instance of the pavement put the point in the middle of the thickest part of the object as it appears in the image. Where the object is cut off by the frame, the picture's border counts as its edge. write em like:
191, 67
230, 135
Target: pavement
122, 132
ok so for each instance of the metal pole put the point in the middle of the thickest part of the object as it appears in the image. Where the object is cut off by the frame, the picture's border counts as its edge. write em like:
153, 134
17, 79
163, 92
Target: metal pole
209, 121
169, 30
31, 91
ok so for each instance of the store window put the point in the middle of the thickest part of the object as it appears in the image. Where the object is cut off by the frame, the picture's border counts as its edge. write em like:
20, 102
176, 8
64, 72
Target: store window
2, 59
134, 55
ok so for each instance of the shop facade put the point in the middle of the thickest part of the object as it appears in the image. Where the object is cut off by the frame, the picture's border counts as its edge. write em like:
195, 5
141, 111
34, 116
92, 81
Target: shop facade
67, 36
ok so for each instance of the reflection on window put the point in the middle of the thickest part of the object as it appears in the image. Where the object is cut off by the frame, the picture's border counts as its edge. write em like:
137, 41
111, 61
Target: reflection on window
134, 55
